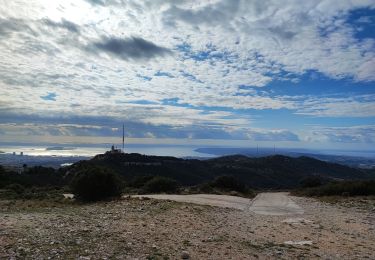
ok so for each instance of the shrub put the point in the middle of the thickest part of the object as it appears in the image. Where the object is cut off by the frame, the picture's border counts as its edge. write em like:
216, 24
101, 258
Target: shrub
160, 184
343, 188
95, 184
140, 181
206, 188
15, 187
310, 182
229, 183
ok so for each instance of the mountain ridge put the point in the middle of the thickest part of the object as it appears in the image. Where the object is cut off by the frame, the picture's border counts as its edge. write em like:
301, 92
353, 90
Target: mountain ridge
274, 172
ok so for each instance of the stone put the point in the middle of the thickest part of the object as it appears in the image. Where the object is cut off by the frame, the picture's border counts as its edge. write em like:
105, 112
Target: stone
185, 255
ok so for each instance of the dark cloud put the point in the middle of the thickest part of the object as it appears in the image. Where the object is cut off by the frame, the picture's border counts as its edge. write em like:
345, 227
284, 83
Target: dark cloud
133, 48
36, 37
10, 25
7, 26
64, 24
20, 25
282, 32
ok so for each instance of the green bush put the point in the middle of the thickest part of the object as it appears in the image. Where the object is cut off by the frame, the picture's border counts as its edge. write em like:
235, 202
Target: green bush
95, 184
160, 184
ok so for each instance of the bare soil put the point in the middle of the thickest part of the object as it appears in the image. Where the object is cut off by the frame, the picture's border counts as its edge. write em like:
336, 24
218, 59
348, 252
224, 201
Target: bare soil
133, 228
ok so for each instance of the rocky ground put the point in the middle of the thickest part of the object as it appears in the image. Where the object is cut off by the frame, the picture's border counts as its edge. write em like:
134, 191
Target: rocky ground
150, 229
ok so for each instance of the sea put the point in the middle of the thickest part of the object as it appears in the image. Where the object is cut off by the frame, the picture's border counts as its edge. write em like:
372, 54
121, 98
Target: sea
162, 150
90, 151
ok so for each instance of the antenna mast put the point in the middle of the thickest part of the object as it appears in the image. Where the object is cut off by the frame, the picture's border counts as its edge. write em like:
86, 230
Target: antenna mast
123, 138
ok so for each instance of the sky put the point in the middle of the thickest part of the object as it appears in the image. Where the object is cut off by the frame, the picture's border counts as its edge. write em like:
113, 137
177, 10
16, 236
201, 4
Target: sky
236, 73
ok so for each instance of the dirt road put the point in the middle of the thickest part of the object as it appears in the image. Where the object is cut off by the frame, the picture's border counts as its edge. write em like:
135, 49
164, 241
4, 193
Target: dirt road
270, 203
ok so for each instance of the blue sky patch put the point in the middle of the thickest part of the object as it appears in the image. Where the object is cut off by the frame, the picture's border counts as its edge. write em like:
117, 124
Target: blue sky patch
363, 22
49, 97
142, 102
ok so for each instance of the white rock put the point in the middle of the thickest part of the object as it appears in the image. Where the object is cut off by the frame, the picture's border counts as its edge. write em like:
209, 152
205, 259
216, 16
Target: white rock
299, 243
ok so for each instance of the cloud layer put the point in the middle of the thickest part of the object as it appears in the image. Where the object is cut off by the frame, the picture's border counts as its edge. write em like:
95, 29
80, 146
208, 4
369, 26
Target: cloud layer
190, 69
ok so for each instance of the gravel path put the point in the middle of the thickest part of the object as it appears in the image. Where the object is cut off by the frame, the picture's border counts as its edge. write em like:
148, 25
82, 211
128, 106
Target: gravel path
268, 203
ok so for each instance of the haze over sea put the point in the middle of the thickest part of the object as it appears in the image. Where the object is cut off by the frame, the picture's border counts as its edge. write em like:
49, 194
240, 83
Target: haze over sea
168, 150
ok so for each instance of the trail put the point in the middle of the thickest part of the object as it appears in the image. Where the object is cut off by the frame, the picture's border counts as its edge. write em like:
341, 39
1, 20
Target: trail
275, 204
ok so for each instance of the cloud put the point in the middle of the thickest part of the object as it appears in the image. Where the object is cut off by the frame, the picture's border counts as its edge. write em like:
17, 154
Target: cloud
353, 134
59, 129
273, 135
355, 106
215, 14
283, 33
143, 130
263, 135
133, 48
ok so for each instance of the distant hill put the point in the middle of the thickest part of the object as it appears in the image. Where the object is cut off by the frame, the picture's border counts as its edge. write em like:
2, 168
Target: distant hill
275, 171
355, 159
